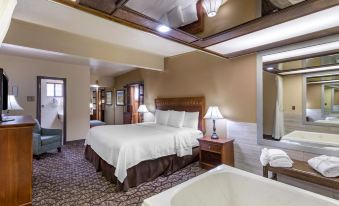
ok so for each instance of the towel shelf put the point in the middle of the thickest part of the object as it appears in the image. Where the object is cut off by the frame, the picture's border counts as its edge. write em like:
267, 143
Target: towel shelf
301, 170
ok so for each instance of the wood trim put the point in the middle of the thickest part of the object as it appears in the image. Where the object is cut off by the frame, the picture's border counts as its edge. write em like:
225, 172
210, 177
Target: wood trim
301, 170
284, 15
188, 104
38, 105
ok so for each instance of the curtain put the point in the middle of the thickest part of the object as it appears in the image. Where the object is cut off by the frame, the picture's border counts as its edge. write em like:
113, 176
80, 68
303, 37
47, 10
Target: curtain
6, 12
279, 127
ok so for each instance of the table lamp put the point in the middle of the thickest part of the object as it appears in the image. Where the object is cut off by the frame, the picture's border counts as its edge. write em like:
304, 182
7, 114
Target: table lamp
213, 113
142, 109
12, 106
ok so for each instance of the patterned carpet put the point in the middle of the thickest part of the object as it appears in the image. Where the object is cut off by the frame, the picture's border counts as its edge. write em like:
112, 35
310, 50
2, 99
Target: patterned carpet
67, 178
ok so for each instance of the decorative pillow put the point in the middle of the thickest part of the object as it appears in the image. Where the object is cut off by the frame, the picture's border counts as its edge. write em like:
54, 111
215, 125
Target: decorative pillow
191, 120
176, 119
161, 117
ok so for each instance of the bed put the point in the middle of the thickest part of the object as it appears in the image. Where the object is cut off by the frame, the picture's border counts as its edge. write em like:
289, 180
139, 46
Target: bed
129, 155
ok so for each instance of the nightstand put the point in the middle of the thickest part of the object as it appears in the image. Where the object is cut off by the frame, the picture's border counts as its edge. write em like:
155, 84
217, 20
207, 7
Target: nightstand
214, 152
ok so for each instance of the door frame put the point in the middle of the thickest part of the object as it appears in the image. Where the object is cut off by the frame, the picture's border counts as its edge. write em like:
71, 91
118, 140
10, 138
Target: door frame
38, 105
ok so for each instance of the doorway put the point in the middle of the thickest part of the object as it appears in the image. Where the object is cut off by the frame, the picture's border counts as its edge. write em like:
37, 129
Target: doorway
134, 98
51, 103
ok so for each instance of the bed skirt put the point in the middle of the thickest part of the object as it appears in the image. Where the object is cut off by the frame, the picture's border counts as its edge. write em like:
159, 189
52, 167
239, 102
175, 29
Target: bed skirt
144, 171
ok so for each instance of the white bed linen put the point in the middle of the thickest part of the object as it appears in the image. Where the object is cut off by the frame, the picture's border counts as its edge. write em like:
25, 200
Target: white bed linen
124, 146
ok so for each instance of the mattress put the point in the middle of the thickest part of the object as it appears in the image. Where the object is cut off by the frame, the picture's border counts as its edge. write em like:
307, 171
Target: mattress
124, 146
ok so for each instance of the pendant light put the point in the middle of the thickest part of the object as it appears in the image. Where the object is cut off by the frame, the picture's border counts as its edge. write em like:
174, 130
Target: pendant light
211, 6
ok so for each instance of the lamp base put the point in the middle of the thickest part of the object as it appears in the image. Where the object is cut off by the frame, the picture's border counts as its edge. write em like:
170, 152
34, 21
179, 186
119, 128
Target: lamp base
214, 136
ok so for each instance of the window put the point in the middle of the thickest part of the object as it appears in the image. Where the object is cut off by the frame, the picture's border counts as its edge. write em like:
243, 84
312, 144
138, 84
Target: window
54, 90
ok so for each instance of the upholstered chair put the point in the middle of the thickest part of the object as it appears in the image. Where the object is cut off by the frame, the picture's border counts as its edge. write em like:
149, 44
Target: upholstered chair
45, 140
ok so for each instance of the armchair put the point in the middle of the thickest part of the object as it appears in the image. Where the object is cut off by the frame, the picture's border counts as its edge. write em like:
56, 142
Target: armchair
45, 139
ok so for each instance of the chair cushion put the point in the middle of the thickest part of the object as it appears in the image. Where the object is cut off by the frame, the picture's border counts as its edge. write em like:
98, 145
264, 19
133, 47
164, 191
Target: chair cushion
45, 140
37, 127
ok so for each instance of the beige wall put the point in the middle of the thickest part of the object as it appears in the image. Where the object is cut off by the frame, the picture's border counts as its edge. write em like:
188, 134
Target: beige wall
23, 72
269, 102
336, 97
313, 96
228, 16
229, 84
293, 94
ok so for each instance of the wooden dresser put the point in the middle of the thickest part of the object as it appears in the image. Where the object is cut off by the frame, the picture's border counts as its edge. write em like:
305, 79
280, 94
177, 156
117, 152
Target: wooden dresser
16, 161
214, 152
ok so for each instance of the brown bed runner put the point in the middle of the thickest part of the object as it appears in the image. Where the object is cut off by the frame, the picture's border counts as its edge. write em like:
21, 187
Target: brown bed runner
301, 170
144, 171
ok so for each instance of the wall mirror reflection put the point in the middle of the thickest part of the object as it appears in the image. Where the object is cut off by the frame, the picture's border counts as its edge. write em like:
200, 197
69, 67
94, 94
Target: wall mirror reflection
204, 18
322, 99
301, 102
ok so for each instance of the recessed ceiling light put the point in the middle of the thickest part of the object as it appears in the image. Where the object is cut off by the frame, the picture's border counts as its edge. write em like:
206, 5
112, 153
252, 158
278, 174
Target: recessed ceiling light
318, 21
269, 68
163, 29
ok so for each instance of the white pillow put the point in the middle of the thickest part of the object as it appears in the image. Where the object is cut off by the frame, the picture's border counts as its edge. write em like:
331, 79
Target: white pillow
176, 119
161, 117
191, 120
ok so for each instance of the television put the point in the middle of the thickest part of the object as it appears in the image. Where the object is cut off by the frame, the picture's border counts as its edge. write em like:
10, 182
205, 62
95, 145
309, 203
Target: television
3, 92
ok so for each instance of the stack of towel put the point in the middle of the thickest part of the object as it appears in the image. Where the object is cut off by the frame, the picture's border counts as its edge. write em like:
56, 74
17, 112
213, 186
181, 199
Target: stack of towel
325, 165
275, 157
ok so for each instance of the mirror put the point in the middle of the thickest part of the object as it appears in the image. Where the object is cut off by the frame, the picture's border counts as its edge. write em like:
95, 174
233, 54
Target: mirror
301, 106
322, 100
204, 18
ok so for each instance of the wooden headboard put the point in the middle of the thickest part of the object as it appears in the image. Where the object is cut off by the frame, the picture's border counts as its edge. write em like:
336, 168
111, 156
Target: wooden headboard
187, 104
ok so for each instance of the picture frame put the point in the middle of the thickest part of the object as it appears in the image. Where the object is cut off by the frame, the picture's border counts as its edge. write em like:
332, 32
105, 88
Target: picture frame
108, 98
120, 97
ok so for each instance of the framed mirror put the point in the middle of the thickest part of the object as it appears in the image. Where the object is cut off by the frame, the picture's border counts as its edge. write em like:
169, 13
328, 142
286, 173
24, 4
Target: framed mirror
321, 99
297, 105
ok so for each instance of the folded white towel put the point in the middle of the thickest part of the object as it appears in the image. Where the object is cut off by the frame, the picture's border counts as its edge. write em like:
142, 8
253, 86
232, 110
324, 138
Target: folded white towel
275, 157
325, 165
284, 162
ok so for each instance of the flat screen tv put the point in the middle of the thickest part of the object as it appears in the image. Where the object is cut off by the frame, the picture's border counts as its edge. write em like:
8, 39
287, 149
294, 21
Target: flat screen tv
3, 91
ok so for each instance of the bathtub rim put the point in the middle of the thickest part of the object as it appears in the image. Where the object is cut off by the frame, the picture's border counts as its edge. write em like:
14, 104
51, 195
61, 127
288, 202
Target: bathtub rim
167, 195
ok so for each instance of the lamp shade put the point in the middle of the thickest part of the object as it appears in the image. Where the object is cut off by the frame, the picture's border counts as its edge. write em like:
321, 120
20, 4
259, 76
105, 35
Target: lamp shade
6, 11
13, 104
211, 6
213, 113
142, 109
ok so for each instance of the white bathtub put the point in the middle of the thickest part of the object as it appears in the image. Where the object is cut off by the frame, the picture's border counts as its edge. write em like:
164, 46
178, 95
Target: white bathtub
228, 186
312, 138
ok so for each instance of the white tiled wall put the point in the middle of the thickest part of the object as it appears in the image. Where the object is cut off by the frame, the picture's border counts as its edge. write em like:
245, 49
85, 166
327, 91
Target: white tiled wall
247, 153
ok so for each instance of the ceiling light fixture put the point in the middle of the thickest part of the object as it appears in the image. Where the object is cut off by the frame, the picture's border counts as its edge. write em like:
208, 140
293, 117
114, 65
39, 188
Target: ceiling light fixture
211, 7
315, 22
163, 29
301, 52
309, 70
269, 68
